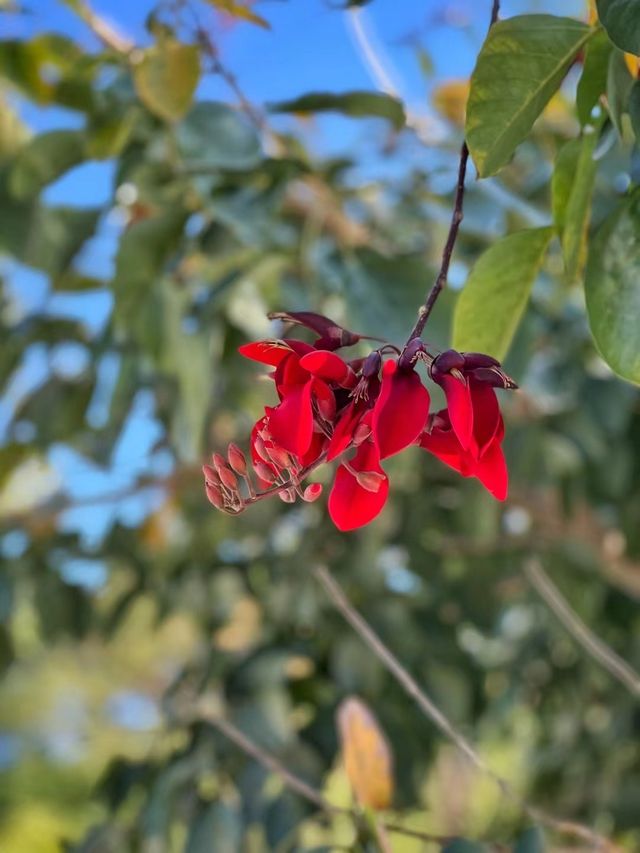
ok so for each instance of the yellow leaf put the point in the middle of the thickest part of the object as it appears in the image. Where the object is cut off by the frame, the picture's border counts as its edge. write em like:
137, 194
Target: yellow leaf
366, 754
450, 99
238, 10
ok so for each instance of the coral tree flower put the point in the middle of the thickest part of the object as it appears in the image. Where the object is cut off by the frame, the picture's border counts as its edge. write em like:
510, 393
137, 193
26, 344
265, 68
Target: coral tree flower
360, 412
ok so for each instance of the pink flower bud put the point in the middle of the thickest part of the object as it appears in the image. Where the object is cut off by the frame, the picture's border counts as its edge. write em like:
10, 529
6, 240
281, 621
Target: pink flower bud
287, 496
370, 480
312, 492
218, 461
210, 474
228, 478
214, 495
361, 434
261, 449
264, 472
280, 458
237, 459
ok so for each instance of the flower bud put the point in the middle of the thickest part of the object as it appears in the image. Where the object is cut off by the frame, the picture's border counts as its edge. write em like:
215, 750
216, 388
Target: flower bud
228, 478
264, 472
261, 449
361, 434
219, 461
280, 458
370, 480
479, 359
214, 494
410, 353
447, 361
372, 365
312, 492
287, 496
210, 474
237, 459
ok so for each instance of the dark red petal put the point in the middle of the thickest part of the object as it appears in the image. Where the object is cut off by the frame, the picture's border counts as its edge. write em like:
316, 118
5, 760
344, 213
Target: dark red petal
291, 424
329, 366
460, 407
401, 410
492, 472
332, 335
486, 416
351, 505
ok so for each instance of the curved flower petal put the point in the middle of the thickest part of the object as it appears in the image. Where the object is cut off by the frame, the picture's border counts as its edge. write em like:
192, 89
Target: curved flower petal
343, 432
487, 419
268, 352
460, 406
351, 504
330, 367
291, 423
492, 472
401, 410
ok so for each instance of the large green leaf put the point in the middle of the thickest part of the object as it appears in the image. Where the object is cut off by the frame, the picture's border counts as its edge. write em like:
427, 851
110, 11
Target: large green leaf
612, 289
593, 80
215, 136
571, 190
356, 104
619, 85
489, 309
44, 159
634, 108
621, 20
166, 78
521, 64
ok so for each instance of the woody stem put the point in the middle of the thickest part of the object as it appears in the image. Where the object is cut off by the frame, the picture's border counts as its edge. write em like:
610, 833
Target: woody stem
456, 218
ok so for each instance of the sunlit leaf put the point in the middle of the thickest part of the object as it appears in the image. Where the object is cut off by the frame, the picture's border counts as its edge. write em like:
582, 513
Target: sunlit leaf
532, 52
240, 10
613, 295
366, 754
450, 99
495, 296
166, 77
355, 104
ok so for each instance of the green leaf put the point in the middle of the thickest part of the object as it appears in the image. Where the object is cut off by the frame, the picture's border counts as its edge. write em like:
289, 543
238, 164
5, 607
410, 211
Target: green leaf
619, 83
216, 827
166, 78
621, 20
13, 132
593, 80
215, 136
356, 104
45, 158
571, 191
521, 65
463, 845
491, 305
611, 287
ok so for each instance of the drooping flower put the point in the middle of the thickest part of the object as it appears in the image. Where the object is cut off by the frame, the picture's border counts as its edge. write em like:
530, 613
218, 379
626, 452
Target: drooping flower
360, 411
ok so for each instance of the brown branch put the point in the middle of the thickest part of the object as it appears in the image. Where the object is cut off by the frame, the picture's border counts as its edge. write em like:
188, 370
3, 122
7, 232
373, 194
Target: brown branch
592, 644
431, 710
105, 31
456, 218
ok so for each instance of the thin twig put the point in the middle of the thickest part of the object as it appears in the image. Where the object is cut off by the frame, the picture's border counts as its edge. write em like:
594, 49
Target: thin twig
593, 645
105, 31
456, 218
431, 710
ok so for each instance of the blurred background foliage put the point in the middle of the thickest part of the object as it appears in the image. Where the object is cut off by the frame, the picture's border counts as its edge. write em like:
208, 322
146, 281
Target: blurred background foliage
122, 592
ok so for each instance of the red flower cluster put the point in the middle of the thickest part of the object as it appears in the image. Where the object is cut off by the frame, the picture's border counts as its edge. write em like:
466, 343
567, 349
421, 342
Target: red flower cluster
375, 407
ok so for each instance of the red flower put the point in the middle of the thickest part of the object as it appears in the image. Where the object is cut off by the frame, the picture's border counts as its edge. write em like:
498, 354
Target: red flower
329, 405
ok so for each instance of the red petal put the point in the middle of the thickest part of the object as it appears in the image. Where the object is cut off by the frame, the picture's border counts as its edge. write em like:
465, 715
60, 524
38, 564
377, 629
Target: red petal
329, 366
317, 446
486, 416
325, 400
291, 423
445, 446
401, 410
460, 407
343, 433
350, 505
492, 472
266, 352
